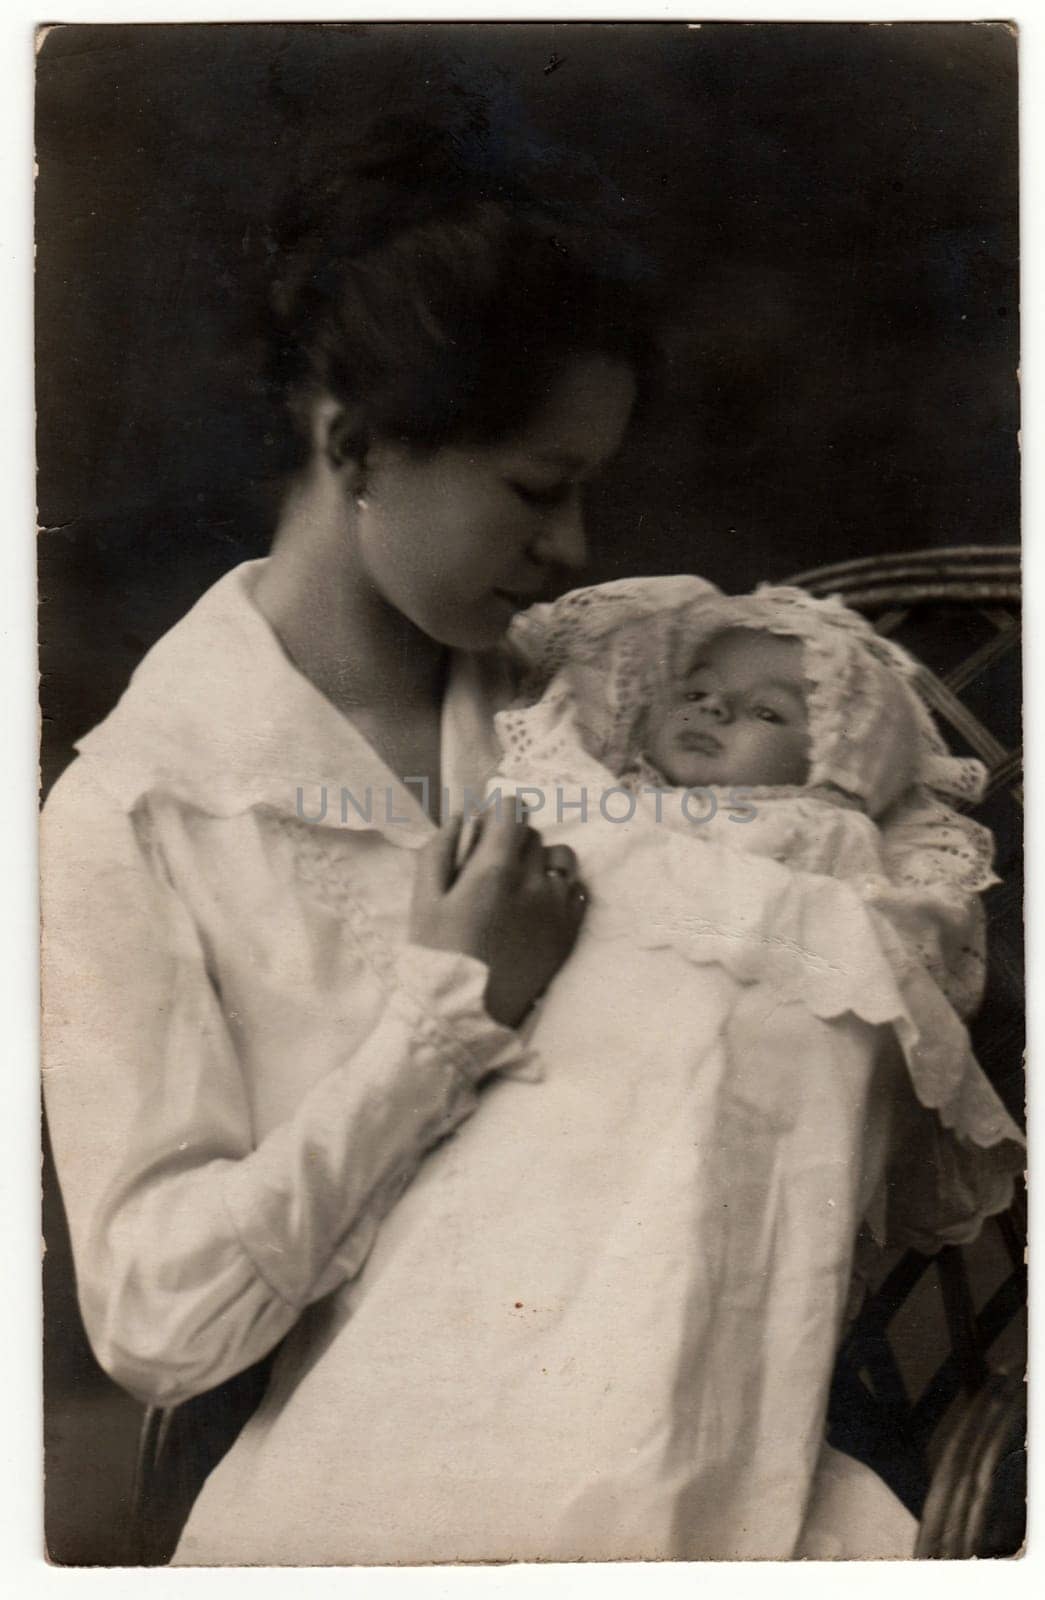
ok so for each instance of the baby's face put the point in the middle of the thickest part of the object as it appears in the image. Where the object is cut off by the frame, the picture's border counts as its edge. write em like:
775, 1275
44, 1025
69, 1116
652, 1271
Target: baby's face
737, 717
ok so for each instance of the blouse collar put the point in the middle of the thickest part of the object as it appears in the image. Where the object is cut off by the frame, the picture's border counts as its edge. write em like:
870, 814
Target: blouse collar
218, 718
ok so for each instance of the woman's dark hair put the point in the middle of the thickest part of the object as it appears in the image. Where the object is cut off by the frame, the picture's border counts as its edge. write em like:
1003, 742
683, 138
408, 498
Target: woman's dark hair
439, 303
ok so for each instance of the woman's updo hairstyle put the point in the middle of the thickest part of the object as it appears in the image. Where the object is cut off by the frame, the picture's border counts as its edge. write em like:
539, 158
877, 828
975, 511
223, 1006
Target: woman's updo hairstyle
439, 298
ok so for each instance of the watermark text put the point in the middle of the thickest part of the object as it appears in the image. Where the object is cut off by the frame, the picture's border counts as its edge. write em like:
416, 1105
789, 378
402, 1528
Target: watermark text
619, 805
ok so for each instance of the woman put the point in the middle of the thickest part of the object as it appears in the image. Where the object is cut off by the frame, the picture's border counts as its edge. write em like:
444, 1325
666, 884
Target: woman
257, 1027
273, 982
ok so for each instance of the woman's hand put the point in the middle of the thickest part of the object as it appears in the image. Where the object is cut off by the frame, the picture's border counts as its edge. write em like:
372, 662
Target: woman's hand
512, 904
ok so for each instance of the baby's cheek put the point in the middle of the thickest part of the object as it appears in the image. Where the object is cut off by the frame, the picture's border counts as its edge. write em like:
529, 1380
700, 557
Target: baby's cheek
775, 757
659, 735
803, 754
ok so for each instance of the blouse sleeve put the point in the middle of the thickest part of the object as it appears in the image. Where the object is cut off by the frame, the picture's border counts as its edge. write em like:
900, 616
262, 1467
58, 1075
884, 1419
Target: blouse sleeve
196, 1248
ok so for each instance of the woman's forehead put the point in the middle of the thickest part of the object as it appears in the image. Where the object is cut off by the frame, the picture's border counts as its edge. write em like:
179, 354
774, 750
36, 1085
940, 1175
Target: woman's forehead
582, 422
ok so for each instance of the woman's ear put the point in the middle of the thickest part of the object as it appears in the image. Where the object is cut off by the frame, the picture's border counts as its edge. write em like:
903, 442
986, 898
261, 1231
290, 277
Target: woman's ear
340, 437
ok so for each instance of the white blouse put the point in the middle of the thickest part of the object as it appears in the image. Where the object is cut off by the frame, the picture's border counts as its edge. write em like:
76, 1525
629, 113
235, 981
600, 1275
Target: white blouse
245, 1059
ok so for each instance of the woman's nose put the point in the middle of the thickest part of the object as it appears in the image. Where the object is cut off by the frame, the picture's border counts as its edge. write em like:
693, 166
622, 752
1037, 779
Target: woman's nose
563, 542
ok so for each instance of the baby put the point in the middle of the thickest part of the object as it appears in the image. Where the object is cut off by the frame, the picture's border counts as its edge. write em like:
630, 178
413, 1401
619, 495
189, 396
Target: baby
636, 1258
753, 1054
773, 724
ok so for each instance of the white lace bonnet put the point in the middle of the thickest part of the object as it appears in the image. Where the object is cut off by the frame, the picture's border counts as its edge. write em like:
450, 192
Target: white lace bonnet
594, 660
620, 643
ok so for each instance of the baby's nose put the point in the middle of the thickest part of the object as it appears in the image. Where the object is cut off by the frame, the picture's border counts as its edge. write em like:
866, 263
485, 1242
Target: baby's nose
714, 705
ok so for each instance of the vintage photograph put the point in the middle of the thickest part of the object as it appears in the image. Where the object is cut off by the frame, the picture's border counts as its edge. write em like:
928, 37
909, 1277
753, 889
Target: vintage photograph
531, 847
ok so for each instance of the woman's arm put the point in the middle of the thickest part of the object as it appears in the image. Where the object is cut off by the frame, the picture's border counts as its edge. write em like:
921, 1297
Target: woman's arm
195, 1248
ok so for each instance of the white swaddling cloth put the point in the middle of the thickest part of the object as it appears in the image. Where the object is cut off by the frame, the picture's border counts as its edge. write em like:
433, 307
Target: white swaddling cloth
601, 1322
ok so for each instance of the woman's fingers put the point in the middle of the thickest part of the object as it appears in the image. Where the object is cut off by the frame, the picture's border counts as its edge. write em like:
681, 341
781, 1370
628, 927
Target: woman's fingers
532, 854
508, 841
559, 866
437, 860
559, 861
509, 847
496, 840
577, 899
505, 839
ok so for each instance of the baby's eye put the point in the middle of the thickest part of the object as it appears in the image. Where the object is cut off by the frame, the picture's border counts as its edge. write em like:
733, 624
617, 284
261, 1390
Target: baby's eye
767, 714
544, 499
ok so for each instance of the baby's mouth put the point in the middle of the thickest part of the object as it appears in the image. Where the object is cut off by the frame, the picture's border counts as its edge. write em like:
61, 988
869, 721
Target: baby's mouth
705, 743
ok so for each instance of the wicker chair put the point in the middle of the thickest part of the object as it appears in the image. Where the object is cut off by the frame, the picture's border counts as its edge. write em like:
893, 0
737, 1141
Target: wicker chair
957, 610
955, 1451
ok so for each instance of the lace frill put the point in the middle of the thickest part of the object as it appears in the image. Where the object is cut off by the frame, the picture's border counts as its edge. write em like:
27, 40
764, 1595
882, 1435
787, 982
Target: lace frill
957, 1165
937, 865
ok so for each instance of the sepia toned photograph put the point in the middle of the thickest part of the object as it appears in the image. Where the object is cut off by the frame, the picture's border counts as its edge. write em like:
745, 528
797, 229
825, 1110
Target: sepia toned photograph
532, 811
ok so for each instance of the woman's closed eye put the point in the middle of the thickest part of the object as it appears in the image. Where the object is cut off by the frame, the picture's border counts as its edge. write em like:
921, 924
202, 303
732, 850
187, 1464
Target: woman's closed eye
543, 497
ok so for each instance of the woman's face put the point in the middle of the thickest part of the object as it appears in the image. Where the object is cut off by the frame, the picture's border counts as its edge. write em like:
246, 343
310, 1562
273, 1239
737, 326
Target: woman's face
460, 539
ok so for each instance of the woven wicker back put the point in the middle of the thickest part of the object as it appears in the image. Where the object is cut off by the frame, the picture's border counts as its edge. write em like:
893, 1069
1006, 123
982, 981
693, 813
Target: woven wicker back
958, 613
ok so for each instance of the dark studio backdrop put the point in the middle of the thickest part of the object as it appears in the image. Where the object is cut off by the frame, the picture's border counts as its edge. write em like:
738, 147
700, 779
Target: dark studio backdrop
833, 208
